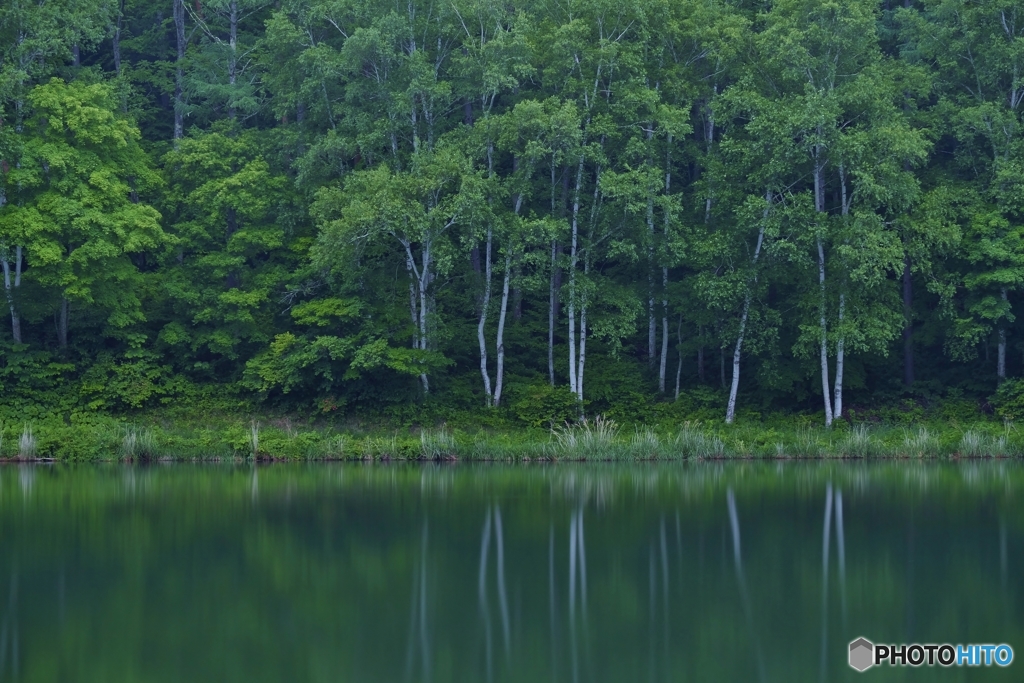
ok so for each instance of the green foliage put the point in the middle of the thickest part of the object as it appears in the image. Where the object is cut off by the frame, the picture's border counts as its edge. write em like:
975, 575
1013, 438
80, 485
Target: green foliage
538, 404
350, 212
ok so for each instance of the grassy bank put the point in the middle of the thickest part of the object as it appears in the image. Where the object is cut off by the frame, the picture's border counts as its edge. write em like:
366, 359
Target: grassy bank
106, 438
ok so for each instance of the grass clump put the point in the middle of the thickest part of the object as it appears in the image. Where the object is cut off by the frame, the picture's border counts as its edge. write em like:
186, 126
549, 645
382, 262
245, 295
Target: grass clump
645, 444
437, 444
692, 441
137, 443
27, 443
587, 439
920, 443
860, 442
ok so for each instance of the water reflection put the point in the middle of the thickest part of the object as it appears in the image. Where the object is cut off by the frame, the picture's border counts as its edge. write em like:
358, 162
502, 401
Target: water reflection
733, 572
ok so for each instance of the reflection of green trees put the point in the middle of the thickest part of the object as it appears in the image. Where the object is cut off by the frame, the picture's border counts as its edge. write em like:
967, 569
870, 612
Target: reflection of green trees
193, 573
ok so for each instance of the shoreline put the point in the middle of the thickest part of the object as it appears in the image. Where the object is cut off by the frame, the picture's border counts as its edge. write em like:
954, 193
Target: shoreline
162, 438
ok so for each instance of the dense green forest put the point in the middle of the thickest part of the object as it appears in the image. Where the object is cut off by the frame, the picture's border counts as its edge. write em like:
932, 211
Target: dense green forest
337, 206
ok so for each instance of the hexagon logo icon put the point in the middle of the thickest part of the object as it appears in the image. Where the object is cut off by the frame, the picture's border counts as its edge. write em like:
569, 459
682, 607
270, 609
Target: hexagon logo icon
862, 654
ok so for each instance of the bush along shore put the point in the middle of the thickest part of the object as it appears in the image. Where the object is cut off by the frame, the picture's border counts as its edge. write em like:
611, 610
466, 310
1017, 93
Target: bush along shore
106, 438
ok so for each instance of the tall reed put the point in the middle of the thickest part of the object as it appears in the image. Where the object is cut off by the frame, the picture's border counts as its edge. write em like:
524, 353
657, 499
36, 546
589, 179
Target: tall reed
27, 443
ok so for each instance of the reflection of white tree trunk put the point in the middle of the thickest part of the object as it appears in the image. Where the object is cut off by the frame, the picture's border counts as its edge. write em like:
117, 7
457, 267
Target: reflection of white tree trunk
485, 610
577, 567
841, 545
418, 631
734, 524
502, 595
493, 517
824, 575
553, 617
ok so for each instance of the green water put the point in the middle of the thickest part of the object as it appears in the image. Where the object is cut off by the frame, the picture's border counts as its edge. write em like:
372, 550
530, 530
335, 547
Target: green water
706, 572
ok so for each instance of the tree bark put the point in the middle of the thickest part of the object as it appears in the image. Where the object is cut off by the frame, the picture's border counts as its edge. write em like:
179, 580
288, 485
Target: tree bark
730, 411
824, 337
573, 259
908, 324
484, 305
554, 285
840, 355
819, 207
233, 56
664, 331
62, 323
115, 40
664, 272
9, 288
652, 325
679, 363
501, 330
1001, 351
179, 69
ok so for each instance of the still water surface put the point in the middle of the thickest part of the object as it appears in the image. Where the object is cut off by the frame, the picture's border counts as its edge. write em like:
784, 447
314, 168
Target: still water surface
706, 572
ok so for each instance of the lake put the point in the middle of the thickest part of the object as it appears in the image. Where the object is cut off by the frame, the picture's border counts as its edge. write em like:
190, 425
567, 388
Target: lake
716, 571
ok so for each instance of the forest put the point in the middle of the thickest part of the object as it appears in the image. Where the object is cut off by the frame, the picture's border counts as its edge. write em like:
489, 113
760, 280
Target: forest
536, 209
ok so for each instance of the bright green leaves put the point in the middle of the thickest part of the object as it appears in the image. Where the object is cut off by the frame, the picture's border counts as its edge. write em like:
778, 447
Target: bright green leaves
228, 266
71, 200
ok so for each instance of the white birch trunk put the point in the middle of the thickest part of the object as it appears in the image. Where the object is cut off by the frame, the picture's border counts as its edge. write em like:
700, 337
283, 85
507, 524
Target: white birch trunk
233, 56
573, 260
730, 410
484, 305
179, 70
679, 363
664, 274
824, 336
819, 208
1001, 351
840, 357
845, 200
586, 271
501, 331
552, 293
9, 288
664, 330
652, 324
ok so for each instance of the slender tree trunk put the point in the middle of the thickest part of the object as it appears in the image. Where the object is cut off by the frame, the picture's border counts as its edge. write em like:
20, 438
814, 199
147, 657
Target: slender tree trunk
9, 288
840, 355
115, 40
573, 260
664, 274
664, 331
424, 282
824, 337
679, 364
179, 69
730, 411
584, 303
700, 357
233, 57
501, 330
652, 325
819, 207
484, 305
62, 322
554, 286
709, 140
1001, 352
908, 324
